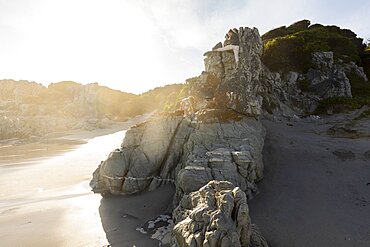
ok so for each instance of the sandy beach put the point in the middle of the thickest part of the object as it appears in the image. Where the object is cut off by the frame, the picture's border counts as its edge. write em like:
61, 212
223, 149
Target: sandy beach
316, 188
46, 199
315, 191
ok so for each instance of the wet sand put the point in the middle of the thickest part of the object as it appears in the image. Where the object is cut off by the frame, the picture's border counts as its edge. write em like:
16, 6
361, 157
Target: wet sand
316, 188
45, 199
27, 151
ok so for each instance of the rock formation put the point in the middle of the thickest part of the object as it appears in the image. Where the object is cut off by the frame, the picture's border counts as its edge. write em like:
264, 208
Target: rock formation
215, 158
223, 144
235, 89
174, 149
296, 93
327, 79
215, 215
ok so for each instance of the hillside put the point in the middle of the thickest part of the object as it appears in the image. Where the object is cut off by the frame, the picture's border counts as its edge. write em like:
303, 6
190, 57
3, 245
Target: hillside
291, 49
31, 109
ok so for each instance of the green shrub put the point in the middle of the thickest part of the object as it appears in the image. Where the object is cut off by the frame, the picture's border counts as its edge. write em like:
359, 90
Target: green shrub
283, 31
286, 53
360, 88
290, 48
365, 61
277, 32
338, 104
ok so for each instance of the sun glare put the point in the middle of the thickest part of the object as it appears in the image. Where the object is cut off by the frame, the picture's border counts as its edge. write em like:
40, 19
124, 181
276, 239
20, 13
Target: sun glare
86, 41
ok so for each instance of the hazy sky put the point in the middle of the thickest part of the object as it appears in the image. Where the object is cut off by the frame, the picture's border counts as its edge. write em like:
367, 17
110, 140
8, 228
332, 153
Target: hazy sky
136, 45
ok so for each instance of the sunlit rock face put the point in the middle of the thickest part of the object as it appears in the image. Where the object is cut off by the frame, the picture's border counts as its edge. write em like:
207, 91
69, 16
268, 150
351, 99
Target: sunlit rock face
190, 154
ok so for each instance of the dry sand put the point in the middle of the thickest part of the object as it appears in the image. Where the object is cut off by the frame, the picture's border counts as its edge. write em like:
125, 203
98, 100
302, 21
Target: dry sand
316, 188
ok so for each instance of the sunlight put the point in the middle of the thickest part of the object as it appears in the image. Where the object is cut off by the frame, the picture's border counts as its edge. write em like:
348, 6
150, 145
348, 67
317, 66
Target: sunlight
86, 41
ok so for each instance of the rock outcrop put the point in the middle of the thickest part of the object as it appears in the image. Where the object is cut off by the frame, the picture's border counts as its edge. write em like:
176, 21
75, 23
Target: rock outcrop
223, 143
215, 215
173, 149
327, 79
296, 93
214, 159
236, 89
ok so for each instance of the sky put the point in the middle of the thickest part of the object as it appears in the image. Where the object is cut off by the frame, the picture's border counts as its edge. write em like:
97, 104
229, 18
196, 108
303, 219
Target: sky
136, 45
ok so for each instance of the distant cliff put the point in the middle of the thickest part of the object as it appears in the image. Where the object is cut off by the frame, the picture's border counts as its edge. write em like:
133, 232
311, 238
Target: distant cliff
30, 109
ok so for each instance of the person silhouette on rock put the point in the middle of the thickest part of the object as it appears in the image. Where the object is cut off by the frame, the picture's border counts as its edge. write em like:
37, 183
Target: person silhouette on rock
231, 43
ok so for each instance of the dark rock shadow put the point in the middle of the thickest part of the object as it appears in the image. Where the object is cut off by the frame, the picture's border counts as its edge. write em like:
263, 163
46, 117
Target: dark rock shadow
121, 215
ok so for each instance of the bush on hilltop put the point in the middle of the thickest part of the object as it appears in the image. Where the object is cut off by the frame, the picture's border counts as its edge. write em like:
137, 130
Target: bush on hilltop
290, 48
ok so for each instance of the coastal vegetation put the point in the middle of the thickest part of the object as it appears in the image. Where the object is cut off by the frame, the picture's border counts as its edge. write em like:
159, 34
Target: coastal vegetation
290, 48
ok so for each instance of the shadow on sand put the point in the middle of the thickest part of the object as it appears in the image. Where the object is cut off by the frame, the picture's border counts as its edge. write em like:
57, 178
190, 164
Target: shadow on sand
121, 215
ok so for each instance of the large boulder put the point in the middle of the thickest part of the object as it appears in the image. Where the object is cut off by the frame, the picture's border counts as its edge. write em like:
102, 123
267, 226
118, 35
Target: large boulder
215, 215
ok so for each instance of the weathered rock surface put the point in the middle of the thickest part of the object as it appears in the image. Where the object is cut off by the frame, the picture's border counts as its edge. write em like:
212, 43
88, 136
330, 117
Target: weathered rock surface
146, 157
327, 79
174, 149
233, 88
215, 215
